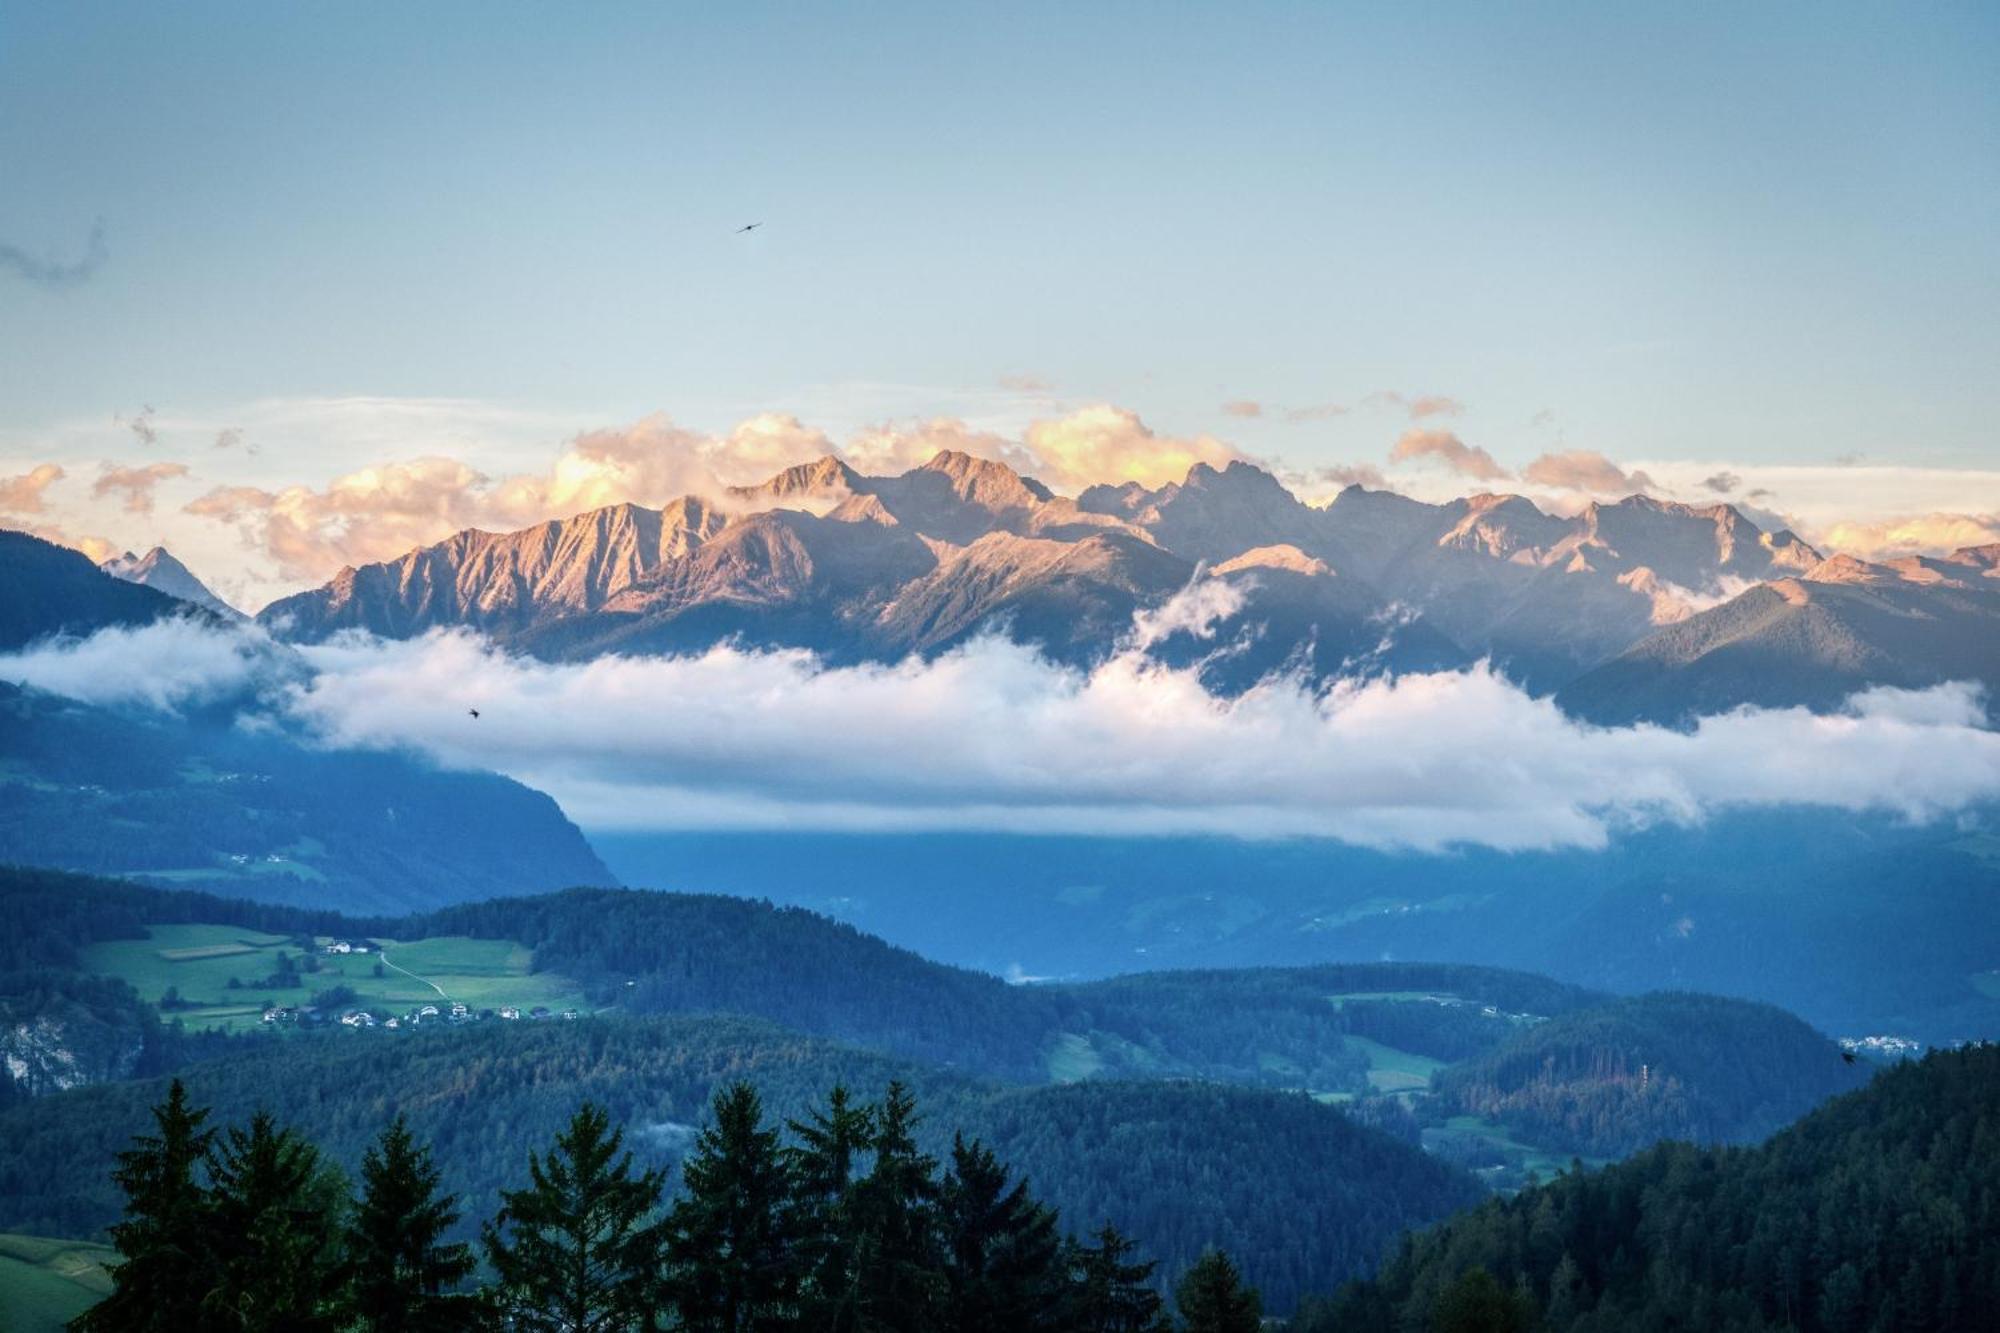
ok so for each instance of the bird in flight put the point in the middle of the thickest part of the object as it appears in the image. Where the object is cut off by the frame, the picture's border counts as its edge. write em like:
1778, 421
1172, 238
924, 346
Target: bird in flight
751, 227
1847, 1056
473, 711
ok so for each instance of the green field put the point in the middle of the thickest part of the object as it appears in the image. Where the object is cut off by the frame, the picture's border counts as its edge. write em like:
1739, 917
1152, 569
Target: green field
1073, 1058
46, 1283
1521, 1160
198, 962
1391, 1070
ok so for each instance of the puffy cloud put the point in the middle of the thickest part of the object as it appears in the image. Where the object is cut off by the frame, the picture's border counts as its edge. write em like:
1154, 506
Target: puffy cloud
134, 485
25, 494
99, 549
1112, 445
1242, 407
166, 665
1433, 405
995, 737
1722, 483
1584, 470
1462, 458
1926, 534
888, 449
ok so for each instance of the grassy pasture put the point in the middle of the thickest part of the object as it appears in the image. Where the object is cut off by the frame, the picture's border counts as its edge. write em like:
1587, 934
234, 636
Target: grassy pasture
1391, 1070
46, 1283
198, 961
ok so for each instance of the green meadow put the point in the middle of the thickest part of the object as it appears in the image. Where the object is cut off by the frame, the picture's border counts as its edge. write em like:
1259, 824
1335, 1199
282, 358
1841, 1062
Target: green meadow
198, 963
46, 1283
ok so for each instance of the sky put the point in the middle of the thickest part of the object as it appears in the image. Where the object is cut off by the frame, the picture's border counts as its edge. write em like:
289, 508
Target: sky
286, 286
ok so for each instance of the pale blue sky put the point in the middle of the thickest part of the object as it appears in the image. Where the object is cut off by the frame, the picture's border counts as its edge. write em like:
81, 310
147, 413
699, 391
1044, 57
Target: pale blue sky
1763, 232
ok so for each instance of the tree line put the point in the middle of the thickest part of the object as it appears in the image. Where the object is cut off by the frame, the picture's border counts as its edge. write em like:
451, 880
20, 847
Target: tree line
838, 1221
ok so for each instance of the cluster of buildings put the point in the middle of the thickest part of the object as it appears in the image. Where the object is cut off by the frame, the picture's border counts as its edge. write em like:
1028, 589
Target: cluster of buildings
308, 1015
1889, 1048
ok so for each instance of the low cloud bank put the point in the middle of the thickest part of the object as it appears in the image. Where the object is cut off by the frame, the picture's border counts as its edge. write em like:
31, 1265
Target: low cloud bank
995, 737
168, 665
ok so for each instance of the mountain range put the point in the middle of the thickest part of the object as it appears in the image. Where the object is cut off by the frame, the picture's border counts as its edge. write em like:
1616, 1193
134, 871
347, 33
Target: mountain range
1643, 608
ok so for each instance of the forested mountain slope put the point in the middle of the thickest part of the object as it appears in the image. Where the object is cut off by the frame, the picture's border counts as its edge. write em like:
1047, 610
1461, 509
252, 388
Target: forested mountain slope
1297, 1191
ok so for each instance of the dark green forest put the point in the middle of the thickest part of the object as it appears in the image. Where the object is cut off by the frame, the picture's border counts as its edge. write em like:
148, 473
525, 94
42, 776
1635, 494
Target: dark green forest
1609, 1080
1299, 1193
839, 1219
1879, 1211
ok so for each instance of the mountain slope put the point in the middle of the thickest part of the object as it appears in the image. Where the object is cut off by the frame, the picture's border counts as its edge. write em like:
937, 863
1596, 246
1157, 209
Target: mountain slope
1300, 1193
1811, 640
1610, 1080
1880, 1210
157, 569
199, 801
47, 589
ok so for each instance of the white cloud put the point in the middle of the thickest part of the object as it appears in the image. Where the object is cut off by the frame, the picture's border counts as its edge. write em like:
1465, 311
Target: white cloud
134, 486
165, 666
1444, 446
27, 493
1110, 445
995, 737
1587, 471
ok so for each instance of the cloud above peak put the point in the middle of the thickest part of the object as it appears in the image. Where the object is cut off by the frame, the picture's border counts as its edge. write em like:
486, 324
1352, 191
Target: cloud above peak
1443, 446
1587, 471
27, 493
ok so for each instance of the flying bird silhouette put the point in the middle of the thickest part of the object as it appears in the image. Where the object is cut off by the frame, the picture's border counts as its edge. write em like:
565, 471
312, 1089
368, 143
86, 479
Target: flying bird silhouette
751, 227
473, 711
1847, 1056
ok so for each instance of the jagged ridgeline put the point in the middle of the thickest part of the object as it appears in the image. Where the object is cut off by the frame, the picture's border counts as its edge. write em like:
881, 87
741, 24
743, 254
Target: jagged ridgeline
1648, 608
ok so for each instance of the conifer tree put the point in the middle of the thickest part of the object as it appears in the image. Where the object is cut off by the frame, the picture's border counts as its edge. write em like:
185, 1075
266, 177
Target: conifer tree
577, 1251
898, 1270
1113, 1294
729, 1259
1213, 1299
822, 1167
166, 1265
1002, 1254
274, 1220
400, 1270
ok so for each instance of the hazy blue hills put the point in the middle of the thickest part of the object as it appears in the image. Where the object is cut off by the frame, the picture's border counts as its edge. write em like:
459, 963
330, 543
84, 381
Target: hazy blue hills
1860, 925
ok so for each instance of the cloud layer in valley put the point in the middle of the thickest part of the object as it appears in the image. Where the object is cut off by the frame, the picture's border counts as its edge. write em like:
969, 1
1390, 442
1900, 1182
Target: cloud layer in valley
993, 736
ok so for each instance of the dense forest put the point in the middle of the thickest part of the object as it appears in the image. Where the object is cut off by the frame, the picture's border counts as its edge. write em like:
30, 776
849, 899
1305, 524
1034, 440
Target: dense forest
1609, 1080
1558, 1066
1299, 1193
837, 1220
1879, 1211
